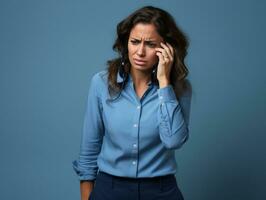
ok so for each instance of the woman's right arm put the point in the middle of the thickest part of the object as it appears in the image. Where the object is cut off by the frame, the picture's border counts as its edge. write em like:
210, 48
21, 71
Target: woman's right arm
91, 141
86, 188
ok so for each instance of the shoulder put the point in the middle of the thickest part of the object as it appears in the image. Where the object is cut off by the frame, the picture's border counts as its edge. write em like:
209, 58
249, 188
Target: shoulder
100, 76
98, 81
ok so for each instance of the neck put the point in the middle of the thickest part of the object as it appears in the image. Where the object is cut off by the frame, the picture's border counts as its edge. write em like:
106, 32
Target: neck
140, 78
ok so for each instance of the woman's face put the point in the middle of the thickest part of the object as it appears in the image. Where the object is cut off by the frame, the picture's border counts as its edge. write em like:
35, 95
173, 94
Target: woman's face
143, 40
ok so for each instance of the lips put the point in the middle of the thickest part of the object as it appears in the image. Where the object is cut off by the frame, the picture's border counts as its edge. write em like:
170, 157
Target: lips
139, 62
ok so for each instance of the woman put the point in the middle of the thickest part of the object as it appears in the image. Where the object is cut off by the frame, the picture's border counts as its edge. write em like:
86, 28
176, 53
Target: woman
137, 113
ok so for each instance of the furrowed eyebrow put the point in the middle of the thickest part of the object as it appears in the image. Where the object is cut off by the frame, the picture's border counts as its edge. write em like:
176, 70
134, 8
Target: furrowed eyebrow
148, 41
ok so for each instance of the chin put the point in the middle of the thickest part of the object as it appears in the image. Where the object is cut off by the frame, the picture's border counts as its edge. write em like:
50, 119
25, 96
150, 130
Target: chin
141, 67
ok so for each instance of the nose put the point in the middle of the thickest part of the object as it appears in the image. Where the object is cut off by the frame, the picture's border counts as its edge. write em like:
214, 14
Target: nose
141, 50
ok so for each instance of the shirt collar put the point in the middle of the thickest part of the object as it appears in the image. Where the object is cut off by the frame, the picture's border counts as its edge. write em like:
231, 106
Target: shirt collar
119, 79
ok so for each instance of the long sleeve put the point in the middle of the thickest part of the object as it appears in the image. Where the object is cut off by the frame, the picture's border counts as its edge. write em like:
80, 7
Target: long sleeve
92, 135
173, 117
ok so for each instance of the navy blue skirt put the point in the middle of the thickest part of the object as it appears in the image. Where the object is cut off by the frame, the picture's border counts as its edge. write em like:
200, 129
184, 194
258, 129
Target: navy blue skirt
109, 187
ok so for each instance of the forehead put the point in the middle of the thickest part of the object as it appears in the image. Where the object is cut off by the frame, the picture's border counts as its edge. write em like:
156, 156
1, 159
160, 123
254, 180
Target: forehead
144, 31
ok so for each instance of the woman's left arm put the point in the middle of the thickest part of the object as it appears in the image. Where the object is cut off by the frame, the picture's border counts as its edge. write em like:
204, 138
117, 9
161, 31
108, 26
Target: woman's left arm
173, 116
173, 113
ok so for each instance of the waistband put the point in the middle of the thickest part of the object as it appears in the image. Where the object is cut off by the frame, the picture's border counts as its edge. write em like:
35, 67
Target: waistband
166, 178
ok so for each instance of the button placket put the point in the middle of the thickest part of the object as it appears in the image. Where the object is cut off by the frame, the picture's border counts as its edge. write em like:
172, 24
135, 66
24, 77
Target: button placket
134, 147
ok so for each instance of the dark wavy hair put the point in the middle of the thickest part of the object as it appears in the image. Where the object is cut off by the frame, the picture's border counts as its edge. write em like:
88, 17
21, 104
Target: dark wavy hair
168, 30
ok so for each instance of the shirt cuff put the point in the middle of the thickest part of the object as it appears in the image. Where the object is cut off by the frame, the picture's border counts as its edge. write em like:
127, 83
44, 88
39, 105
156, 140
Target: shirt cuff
82, 175
166, 93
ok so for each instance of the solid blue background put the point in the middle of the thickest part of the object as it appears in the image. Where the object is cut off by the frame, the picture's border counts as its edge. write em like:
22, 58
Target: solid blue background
49, 50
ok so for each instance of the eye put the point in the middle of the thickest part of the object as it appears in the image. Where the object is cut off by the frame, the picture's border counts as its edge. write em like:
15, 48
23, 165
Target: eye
134, 41
152, 45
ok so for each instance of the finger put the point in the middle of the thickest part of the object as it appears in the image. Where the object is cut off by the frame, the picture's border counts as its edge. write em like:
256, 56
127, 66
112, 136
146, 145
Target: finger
163, 51
159, 54
167, 51
162, 58
170, 47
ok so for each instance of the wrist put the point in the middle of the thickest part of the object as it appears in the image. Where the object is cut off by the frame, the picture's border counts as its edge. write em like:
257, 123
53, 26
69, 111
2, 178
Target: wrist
164, 83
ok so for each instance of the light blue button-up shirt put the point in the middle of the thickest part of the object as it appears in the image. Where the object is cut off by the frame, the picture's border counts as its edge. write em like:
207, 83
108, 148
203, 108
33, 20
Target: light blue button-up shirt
132, 136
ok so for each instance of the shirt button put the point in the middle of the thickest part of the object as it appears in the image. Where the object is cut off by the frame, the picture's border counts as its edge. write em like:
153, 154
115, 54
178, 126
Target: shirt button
135, 125
134, 162
138, 107
135, 145
161, 97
